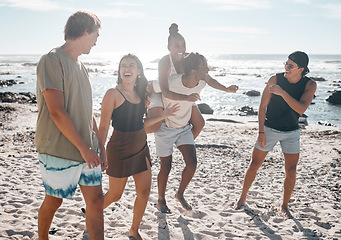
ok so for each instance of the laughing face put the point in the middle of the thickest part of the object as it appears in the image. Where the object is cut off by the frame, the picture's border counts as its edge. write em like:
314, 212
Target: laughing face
177, 48
292, 69
129, 70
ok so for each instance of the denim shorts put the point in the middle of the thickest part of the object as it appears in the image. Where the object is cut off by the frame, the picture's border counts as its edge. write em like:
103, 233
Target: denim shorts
61, 177
166, 138
289, 140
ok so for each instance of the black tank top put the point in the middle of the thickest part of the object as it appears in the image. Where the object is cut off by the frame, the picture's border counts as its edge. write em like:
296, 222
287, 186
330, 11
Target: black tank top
279, 115
128, 117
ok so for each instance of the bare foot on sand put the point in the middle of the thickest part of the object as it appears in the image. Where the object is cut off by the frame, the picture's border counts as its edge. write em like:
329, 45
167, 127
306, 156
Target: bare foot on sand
183, 202
133, 235
285, 211
162, 206
240, 204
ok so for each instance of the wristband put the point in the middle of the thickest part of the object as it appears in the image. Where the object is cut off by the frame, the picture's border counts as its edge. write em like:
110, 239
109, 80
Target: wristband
261, 132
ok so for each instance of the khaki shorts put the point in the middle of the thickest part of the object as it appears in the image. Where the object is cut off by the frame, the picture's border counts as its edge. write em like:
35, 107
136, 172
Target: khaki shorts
166, 138
290, 141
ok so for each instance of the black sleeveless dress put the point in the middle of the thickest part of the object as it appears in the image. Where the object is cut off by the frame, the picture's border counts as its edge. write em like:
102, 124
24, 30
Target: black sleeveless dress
127, 148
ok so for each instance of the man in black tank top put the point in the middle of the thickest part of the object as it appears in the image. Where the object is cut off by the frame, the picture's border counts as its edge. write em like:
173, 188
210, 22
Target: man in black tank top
285, 97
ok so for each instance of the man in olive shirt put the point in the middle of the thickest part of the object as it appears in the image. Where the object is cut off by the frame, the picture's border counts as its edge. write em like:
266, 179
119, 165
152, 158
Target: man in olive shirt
66, 130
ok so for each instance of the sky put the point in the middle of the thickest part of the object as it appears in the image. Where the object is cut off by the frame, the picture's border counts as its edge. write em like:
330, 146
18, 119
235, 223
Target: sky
209, 26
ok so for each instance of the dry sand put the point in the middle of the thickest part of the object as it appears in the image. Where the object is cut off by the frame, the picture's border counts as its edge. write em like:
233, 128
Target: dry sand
223, 151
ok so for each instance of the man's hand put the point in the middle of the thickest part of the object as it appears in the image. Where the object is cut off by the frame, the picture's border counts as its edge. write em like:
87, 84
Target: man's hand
261, 140
275, 89
232, 88
90, 157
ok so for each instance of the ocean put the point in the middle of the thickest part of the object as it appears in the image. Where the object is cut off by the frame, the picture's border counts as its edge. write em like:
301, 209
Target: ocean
248, 71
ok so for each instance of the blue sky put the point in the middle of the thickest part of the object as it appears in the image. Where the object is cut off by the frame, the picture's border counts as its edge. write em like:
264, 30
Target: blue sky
209, 26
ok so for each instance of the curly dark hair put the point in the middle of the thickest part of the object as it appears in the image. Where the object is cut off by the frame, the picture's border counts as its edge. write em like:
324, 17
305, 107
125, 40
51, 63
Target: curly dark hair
192, 61
174, 33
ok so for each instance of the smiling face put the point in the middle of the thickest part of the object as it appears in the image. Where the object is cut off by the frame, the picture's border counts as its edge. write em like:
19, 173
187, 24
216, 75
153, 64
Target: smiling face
202, 69
177, 48
128, 70
292, 70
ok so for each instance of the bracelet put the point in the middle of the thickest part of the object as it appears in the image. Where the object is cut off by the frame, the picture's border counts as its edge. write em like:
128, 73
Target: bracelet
261, 132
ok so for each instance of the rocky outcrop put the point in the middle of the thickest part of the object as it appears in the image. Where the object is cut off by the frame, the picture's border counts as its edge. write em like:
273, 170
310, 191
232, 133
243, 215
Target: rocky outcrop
205, 109
6, 83
335, 98
318, 79
23, 97
252, 93
247, 111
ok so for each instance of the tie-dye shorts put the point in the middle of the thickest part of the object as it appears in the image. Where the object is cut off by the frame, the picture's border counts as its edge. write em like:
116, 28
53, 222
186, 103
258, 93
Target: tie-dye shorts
61, 177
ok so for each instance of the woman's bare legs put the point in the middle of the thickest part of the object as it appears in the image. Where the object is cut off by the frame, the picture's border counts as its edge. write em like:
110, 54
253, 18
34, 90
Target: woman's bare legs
197, 121
143, 181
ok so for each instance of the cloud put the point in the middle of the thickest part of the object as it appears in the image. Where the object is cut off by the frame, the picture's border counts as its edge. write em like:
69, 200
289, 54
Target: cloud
35, 5
242, 30
233, 5
126, 4
307, 2
333, 10
119, 13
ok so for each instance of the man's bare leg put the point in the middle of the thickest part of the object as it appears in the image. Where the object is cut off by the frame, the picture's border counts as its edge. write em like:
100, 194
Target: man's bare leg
291, 161
45, 215
94, 200
258, 157
189, 155
162, 178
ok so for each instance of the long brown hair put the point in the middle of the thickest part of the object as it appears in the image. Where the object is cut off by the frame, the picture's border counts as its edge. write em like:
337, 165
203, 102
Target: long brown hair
141, 81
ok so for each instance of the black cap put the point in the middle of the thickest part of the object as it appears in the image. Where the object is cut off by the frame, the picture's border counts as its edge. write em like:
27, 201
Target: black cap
300, 58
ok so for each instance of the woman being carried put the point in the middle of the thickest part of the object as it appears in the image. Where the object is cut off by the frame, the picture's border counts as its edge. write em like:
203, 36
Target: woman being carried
172, 64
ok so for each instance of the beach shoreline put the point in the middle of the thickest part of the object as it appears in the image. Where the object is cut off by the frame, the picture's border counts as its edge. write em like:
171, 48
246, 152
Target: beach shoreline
223, 150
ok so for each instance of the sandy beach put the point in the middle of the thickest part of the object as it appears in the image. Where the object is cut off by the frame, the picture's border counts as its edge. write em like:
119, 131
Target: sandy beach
223, 150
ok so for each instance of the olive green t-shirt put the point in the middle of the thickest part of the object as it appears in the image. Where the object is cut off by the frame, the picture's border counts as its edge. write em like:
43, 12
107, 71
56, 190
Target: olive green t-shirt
56, 70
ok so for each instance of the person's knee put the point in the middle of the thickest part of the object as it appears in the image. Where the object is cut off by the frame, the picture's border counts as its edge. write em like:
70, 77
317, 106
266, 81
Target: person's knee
95, 201
291, 171
144, 192
113, 196
254, 165
52, 203
166, 167
192, 164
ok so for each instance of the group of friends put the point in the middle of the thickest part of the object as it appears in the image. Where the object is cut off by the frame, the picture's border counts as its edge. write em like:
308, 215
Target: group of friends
71, 148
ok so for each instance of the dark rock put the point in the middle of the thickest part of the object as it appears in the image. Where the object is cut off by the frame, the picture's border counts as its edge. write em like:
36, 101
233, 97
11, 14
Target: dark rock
6, 83
253, 93
205, 109
223, 120
318, 79
30, 64
23, 97
6, 109
335, 98
323, 123
247, 111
